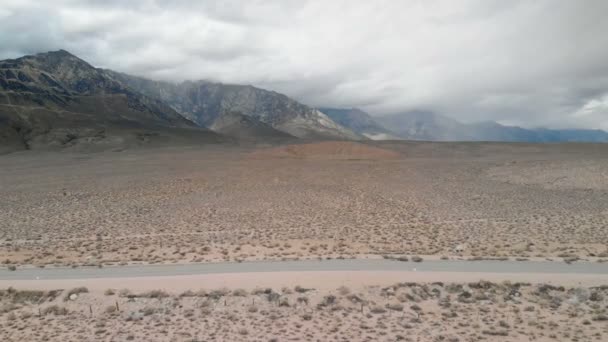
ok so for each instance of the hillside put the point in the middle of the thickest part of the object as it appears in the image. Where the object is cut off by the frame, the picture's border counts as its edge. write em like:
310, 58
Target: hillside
55, 99
203, 102
245, 127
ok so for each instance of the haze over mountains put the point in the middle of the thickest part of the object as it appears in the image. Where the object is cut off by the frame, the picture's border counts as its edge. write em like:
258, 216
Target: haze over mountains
429, 126
55, 99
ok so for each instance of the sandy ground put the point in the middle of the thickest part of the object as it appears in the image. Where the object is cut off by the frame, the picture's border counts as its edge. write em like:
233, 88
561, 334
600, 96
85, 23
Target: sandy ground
219, 203
319, 307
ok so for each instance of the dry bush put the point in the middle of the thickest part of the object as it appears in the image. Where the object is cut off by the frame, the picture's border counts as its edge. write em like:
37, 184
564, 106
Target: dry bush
125, 293
27, 296
377, 309
76, 291
219, 293
239, 293
395, 306
55, 310
300, 289
190, 293
343, 290
154, 294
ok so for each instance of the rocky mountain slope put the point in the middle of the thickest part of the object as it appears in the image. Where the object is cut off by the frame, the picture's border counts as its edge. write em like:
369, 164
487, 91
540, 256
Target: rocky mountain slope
359, 122
55, 99
204, 102
424, 125
247, 128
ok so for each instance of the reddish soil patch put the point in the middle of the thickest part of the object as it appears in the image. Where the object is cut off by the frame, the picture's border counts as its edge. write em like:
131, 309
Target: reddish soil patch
326, 150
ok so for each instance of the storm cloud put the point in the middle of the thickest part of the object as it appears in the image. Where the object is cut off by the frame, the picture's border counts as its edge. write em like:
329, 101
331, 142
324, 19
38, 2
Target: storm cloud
529, 63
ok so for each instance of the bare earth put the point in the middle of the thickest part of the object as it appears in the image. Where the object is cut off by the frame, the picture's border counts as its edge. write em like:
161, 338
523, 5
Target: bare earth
325, 200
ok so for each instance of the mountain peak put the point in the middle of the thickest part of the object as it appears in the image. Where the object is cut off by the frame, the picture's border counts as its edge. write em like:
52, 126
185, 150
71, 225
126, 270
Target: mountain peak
60, 52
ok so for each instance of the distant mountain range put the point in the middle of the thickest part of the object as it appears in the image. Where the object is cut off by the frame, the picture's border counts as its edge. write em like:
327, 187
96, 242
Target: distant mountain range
429, 126
204, 102
360, 122
57, 100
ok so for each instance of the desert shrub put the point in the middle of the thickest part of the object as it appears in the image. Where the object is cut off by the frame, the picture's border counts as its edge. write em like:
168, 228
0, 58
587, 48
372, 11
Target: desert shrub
239, 293
109, 292
55, 310
259, 291
190, 293
416, 258
273, 296
110, 309
252, 309
495, 332
154, 294
416, 308
377, 310
395, 306
302, 300
76, 291
343, 290
219, 293
453, 288
243, 331
26, 296
125, 293
600, 318
8, 307
595, 296
300, 289
147, 311
328, 300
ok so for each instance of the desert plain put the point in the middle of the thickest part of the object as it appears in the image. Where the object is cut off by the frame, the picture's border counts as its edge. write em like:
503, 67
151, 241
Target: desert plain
320, 200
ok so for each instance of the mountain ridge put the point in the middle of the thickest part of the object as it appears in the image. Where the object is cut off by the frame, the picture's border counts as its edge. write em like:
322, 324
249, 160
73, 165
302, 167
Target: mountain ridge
55, 99
429, 126
203, 101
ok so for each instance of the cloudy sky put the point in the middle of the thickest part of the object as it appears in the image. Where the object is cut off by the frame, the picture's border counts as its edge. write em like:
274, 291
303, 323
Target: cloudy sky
530, 63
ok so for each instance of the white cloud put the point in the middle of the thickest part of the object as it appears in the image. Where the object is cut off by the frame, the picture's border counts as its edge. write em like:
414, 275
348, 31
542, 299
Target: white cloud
530, 62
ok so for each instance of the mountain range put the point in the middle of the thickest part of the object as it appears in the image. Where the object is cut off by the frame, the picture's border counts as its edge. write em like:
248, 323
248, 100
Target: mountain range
430, 126
204, 102
57, 100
